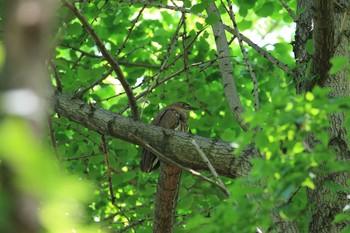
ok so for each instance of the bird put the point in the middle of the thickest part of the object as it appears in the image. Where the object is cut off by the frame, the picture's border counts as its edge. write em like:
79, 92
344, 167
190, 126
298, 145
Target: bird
174, 116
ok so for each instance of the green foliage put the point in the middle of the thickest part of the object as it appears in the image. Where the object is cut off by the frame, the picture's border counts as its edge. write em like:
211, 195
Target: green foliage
149, 56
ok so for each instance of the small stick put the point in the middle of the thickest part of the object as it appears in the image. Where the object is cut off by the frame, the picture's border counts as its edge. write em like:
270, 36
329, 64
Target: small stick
169, 161
210, 166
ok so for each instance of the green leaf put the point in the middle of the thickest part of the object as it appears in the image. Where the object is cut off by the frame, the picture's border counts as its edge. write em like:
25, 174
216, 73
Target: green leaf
308, 183
199, 26
310, 46
245, 24
75, 29
198, 8
212, 19
266, 10
187, 3
342, 217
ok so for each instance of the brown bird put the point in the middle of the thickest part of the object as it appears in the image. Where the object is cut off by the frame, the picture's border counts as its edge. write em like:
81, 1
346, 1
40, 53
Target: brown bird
175, 117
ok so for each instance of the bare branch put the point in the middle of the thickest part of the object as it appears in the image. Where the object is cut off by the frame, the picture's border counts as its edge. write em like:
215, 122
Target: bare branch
162, 6
57, 77
290, 11
80, 93
109, 173
130, 30
225, 66
261, 51
257, 48
53, 139
212, 169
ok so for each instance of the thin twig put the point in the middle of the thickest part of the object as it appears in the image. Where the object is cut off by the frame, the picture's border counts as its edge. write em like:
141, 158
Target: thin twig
261, 51
80, 93
290, 11
164, 6
169, 161
171, 46
246, 59
130, 30
177, 73
79, 158
68, 126
57, 77
81, 51
53, 139
113, 63
211, 168
105, 153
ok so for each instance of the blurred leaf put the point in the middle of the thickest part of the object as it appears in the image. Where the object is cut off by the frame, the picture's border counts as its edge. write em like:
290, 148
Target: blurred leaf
265, 10
212, 19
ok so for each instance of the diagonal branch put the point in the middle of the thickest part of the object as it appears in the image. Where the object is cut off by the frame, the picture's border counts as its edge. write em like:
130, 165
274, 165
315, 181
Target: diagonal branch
261, 51
113, 63
225, 66
290, 11
130, 30
220, 184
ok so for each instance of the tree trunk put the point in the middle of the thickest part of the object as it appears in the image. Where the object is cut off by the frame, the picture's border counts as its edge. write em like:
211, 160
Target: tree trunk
328, 21
23, 84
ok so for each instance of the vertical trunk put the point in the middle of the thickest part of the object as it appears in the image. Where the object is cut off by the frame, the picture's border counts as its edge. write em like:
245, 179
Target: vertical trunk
303, 33
326, 202
329, 41
23, 83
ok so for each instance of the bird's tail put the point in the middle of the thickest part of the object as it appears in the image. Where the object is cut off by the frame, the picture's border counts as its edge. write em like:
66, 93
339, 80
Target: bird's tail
149, 161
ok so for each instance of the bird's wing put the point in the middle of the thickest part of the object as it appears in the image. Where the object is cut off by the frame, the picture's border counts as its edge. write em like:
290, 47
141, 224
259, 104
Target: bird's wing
168, 118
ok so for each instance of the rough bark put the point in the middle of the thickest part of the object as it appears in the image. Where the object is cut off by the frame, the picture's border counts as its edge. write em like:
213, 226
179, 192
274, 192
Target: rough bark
327, 16
323, 35
302, 79
173, 144
226, 67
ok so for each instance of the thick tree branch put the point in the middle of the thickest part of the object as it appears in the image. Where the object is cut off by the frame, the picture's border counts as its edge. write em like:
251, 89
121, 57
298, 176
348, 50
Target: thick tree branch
225, 66
176, 145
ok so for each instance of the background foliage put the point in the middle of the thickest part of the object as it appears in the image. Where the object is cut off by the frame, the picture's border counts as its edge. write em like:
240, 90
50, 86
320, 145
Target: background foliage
168, 56
174, 55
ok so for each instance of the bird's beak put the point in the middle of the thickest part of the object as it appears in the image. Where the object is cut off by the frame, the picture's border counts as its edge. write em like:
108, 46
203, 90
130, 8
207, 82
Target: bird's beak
192, 108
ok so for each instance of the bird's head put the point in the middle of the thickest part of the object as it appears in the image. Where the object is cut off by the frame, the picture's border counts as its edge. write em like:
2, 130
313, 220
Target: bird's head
182, 106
